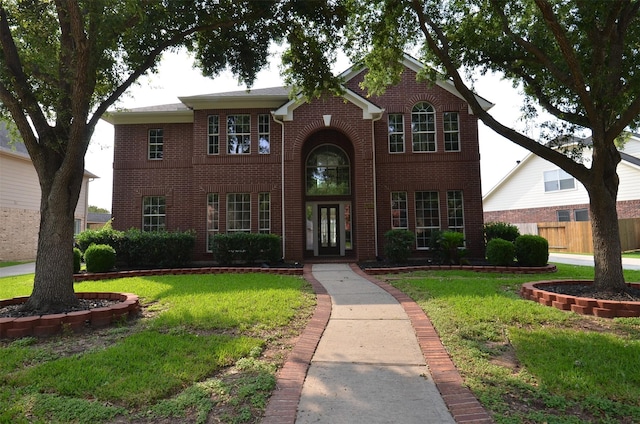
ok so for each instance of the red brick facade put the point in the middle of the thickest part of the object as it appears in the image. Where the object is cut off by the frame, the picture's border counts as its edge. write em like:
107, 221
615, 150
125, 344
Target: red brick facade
626, 209
186, 173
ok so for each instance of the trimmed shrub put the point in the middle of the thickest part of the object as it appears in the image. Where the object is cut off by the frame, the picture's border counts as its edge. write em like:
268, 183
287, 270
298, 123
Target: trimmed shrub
398, 245
157, 249
246, 248
500, 252
100, 258
105, 235
502, 230
532, 250
77, 259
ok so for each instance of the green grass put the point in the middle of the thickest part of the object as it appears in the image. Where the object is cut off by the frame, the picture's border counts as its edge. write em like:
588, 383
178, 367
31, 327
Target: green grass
568, 368
179, 361
635, 254
12, 263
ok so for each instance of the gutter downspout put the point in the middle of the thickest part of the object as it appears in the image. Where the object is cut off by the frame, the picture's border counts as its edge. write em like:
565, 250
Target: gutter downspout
282, 206
375, 186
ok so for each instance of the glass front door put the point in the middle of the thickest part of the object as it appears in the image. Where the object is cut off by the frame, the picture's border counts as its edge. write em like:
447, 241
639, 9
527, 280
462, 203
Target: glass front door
329, 229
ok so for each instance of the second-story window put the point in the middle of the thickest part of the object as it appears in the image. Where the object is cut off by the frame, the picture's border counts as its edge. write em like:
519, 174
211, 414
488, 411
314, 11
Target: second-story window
213, 135
423, 127
264, 142
451, 125
156, 143
396, 133
238, 134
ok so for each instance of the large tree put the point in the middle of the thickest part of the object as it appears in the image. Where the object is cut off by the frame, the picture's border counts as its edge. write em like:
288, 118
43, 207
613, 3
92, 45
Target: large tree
577, 60
63, 63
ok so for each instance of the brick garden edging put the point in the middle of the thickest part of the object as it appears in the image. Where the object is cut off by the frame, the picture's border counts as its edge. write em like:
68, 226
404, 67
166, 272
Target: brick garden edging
581, 305
549, 268
48, 325
184, 271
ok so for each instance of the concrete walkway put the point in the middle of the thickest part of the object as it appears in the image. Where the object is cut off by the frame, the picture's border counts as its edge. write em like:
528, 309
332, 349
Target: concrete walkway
368, 355
9, 271
587, 260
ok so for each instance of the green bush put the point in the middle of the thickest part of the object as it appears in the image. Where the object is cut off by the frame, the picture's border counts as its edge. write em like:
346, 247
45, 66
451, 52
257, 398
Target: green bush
100, 258
450, 247
532, 250
502, 230
500, 252
156, 249
77, 258
246, 248
105, 235
398, 245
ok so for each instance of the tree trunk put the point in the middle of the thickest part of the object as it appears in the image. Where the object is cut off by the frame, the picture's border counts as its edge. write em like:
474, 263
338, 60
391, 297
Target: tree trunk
53, 284
603, 194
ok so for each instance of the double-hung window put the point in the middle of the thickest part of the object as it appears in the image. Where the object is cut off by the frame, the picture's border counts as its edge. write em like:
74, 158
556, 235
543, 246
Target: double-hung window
455, 211
423, 127
239, 212
213, 135
238, 134
427, 218
399, 210
213, 218
451, 125
153, 213
396, 133
264, 142
264, 213
557, 180
155, 143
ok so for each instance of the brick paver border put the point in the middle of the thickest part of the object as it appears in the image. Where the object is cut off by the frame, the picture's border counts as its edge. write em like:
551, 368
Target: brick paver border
283, 404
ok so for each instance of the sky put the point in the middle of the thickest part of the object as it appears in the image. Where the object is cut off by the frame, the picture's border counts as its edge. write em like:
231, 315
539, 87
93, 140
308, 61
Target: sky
177, 78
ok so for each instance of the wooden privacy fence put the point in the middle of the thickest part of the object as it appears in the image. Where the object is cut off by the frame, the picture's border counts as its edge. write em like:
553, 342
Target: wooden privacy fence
576, 237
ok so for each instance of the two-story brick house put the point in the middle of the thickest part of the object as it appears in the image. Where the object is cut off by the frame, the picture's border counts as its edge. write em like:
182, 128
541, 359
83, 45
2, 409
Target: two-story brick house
330, 176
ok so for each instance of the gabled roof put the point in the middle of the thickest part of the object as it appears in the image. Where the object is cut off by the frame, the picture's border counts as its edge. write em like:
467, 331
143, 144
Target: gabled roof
417, 66
275, 98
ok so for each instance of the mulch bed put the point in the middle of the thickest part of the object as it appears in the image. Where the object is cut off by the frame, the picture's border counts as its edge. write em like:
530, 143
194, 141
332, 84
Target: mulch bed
16, 311
587, 290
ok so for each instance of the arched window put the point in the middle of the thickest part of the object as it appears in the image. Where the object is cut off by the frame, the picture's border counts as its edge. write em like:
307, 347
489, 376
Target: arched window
328, 172
423, 127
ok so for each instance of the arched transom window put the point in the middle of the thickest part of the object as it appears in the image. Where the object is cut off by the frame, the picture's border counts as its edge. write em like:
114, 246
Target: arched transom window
423, 127
328, 172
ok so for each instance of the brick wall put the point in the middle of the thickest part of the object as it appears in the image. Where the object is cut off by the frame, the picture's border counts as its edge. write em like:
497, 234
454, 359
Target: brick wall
18, 234
626, 209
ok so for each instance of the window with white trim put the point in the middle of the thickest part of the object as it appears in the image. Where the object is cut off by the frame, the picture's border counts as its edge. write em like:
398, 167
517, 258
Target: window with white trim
153, 213
213, 135
238, 134
264, 213
427, 206
238, 212
264, 142
396, 133
155, 143
423, 127
399, 210
455, 211
451, 126
558, 180
213, 218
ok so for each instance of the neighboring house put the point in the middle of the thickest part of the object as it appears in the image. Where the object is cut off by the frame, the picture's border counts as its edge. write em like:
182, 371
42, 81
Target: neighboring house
538, 191
20, 202
331, 176
96, 221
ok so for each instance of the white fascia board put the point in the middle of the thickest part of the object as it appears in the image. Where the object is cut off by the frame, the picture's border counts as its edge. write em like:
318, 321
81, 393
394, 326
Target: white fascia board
149, 117
369, 110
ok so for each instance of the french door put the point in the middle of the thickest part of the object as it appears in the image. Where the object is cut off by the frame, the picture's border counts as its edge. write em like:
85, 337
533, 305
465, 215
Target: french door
328, 229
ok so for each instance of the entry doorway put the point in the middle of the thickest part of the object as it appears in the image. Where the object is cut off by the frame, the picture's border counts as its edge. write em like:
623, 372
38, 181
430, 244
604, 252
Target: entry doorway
328, 229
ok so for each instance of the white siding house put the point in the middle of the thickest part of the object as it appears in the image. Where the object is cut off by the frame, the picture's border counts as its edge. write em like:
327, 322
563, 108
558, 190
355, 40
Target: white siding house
20, 202
537, 191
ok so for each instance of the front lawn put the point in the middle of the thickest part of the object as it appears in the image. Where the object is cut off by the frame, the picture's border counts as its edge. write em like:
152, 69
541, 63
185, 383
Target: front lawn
529, 363
206, 349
